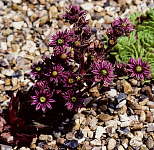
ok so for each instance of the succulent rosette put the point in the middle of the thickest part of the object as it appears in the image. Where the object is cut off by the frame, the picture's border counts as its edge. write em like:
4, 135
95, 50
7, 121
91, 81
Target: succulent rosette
73, 101
60, 40
37, 70
103, 71
56, 73
73, 13
42, 100
120, 27
138, 68
70, 80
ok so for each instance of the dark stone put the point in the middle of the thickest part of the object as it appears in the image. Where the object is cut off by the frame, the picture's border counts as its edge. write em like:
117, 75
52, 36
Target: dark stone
72, 144
79, 134
41, 144
121, 97
94, 30
106, 4
17, 74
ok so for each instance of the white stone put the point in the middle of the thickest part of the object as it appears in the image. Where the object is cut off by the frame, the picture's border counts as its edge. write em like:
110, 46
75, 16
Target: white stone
10, 38
96, 142
3, 45
121, 104
85, 131
87, 6
112, 93
120, 147
17, 1
98, 8
90, 134
150, 127
7, 72
103, 147
111, 144
125, 124
136, 142
99, 132
81, 140
93, 123
30, 46
1, 82
18, 25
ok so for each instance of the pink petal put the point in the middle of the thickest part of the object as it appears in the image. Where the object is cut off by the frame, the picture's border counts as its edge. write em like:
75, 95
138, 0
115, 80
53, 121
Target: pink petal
38, 106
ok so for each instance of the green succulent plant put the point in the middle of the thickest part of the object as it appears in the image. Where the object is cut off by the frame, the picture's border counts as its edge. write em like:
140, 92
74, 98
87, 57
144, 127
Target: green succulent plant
140, 43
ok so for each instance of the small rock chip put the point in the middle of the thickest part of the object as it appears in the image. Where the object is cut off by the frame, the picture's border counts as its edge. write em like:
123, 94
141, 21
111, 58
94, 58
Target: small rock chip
96, 142
121, 104
150, 127
43, 20
127, 87
53, 12
71, 144
120, 147
121, 97
150, 142
111, 144
18, 25
105, 117
112, 93
43, 137
17, 1
87, 6
136, 142
99, 132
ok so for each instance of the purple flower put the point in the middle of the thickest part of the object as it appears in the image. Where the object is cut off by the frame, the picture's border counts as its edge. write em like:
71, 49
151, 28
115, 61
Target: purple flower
64, 54
73, 100
74, 13
60, 40
56, 73
102, 71
69, 80
120, 27
124, 24
37, 70
42, 99
138, 68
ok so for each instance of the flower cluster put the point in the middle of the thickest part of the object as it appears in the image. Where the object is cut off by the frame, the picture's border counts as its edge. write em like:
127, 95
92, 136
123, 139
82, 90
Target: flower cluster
77, 61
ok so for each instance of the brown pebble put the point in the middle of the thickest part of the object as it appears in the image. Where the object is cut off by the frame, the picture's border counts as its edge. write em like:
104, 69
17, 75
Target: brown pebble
94, 91
136, 125
144, 102
105, 117
60, 140
149, 117
127, 87
7, 82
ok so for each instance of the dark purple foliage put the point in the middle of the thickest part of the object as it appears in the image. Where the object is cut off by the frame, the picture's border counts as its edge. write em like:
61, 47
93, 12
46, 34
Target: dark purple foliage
73, 13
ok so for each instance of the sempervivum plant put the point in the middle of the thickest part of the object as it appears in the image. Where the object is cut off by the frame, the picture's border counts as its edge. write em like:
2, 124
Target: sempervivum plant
79, 62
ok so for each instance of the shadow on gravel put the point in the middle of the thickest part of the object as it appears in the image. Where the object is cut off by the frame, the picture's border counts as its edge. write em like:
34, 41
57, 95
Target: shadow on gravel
24, 123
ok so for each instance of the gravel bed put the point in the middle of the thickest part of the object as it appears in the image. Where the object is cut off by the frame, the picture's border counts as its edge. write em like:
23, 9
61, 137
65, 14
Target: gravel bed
121, 119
